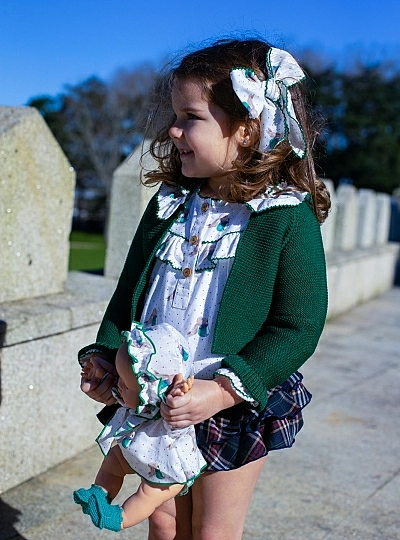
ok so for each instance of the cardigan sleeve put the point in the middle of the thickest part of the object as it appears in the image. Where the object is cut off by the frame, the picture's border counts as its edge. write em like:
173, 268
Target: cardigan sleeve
296, 316
117, 316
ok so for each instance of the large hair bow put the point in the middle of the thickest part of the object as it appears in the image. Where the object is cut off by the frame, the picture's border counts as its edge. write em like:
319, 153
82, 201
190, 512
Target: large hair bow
272, 100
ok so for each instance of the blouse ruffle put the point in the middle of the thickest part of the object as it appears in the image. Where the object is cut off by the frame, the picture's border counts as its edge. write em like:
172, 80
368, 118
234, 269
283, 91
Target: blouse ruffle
173, 250
220, 237
169, 198
272, 199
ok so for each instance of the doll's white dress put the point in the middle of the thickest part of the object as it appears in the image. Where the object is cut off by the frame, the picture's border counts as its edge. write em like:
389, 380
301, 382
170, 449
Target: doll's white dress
153, 449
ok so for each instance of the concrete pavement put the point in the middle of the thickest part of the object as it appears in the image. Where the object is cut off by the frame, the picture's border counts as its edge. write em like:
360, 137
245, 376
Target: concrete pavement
340, 481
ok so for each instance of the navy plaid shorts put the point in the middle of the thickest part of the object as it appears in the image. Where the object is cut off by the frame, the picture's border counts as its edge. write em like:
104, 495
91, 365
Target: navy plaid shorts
242, 434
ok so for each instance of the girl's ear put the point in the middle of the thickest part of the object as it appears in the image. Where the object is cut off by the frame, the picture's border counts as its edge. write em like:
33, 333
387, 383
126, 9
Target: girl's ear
244, 137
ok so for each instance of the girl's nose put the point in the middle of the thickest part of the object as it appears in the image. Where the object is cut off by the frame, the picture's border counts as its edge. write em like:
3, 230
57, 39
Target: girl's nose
175, 132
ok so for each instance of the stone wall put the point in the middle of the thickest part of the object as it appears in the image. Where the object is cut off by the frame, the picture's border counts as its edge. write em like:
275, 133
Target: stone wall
360, 260
46, 314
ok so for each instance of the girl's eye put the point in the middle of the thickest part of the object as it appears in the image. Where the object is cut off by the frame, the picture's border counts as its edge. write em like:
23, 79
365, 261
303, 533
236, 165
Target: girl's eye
192, 116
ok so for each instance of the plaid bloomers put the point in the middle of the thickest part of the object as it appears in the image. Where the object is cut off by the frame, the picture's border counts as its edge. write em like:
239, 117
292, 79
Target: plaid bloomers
241, 434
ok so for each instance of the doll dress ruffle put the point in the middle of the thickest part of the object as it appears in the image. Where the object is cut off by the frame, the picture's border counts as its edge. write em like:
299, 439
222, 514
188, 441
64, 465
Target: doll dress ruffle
153, 449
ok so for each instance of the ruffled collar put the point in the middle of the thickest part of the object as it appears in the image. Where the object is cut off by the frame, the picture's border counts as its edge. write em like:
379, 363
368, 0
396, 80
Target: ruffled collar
280, 195
170, 198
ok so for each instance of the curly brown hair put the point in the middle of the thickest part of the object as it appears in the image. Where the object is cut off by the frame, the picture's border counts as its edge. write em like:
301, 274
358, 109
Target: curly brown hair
254, 171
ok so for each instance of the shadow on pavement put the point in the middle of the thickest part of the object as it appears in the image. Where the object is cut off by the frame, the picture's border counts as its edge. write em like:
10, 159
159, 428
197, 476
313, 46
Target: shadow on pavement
8, 518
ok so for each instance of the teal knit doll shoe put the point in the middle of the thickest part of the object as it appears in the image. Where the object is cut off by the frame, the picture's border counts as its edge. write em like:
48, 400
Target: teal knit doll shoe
81, 496
104, 515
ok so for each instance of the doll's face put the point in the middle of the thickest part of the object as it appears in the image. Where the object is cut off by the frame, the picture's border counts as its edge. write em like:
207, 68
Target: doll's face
128, 386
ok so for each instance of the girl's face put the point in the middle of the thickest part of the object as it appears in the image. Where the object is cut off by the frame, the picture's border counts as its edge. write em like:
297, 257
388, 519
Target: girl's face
203, 134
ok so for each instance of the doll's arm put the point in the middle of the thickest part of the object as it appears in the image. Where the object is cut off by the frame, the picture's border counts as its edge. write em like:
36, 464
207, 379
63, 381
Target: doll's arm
179, 386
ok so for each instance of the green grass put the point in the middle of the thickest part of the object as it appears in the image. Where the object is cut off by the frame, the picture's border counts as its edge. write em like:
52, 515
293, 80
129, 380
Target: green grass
87, 251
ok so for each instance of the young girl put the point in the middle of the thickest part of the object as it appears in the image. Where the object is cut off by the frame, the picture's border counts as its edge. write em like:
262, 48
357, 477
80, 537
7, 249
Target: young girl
229, 253
167, 459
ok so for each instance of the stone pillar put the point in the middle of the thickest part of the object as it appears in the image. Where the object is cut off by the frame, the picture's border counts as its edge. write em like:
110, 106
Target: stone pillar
366, 218
36, 204
44, 417
382, 218
129, 199
347, 218
328, 227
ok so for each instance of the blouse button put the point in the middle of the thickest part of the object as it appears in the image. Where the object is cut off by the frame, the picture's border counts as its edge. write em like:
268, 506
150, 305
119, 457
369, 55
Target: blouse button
194, 240
187, 272
204, 207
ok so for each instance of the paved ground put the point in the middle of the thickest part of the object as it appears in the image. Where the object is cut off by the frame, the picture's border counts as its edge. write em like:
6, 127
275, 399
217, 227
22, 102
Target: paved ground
340, 481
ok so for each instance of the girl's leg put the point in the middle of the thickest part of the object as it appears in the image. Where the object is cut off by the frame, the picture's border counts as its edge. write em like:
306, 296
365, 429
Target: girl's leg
215, 508
164, 525
221, 500
162, 522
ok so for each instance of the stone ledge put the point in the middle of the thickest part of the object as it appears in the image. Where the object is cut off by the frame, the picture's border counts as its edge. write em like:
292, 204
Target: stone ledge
83, 303
358, 275
340, 257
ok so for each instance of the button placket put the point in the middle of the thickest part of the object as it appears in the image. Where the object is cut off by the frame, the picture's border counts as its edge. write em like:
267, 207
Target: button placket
190, 250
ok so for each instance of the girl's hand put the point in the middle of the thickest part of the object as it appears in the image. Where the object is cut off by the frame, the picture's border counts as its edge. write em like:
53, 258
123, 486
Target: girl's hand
205, 399
95, 387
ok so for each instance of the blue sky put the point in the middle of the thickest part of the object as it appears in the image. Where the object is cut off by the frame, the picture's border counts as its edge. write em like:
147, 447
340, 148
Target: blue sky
46, 44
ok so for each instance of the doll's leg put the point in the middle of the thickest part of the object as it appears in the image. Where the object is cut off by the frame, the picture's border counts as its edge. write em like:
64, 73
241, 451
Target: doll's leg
142, 504
135, 509
112, 472
108, 481
96, 501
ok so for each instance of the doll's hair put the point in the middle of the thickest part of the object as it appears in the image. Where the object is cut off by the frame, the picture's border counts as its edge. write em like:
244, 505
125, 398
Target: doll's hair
254, 171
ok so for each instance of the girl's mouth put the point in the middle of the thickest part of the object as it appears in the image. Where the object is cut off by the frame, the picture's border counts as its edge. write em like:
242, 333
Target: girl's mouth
183, 154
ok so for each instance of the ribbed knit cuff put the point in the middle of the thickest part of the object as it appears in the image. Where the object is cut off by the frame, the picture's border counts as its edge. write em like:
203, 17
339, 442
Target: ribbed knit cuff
248, 377
96, 348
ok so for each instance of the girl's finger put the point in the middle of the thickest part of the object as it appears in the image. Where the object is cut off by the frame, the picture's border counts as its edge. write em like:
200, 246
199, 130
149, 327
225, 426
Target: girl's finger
99, 390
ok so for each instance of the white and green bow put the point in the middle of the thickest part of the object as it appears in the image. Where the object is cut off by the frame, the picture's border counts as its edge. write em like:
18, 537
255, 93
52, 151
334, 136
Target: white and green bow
272, 100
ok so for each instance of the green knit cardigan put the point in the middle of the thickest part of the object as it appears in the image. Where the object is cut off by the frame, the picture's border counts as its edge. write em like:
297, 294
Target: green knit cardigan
274, 304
